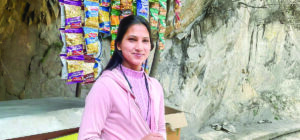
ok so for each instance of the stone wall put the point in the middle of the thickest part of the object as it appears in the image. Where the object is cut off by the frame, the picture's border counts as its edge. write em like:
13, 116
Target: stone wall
238, 62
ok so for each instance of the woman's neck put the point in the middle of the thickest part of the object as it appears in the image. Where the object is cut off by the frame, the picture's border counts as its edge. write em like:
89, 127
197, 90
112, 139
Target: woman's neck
132, 67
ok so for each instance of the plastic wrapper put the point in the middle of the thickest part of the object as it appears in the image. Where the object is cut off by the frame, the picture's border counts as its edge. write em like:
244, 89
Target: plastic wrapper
125, 13
75, 71
104, 22
154, 10
88, 73
126, 5
163, 7
105, 3
74, 41
153, 0
74, 36
115, 20
64, 70
126, 8
72, 14
62, 14
63, 39
116, 5
91, 14
91, 41
142, 8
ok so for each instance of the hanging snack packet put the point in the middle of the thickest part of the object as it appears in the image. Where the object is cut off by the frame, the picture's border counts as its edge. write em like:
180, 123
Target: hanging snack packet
115, 6
126, 8
74, 41
91, 14
104, 22
115, 20
88, 71
163, 7
75, 71
142, 8
105, 3
153, 0
154, 10
91, 41
73, 14
162, 24
134, 7
64, 70
62, 14
63, 39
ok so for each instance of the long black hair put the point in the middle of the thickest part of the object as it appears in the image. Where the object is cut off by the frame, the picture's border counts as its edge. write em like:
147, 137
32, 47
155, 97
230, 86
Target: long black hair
117, 57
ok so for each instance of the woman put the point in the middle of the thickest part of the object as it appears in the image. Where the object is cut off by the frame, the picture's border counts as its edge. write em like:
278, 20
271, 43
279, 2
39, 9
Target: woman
125, 103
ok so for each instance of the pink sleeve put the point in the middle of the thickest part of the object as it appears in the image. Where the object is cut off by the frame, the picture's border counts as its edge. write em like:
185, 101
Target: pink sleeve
97, 107
161, 121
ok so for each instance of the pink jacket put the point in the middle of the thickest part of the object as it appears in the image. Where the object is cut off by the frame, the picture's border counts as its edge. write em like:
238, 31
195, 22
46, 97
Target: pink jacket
111, 112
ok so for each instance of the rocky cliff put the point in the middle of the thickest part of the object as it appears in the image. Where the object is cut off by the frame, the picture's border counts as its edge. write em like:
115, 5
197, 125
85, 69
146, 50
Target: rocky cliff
231, 61
236, 62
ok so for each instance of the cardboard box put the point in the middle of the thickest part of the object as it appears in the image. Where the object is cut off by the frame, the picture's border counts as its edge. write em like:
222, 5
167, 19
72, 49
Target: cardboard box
175, 120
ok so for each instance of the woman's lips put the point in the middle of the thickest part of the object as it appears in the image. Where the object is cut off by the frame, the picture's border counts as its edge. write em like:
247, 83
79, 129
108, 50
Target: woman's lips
137, 55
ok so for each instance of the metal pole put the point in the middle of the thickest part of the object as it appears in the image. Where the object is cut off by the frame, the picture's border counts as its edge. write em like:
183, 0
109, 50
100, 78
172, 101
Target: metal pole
78, 90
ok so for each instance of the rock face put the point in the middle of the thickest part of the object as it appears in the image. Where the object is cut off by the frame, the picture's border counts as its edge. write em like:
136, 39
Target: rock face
231, 61
239, 62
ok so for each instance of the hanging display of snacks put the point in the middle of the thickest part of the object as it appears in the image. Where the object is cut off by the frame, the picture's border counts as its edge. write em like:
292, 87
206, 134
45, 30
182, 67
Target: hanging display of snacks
177, 13
104, 21
91, 14
91, 41
88, 72
154, 10
126, 8
142, 8
162, 23
72, 14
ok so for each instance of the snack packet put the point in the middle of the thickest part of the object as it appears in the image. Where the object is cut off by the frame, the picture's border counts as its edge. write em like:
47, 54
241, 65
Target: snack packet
126, 8
142, 8
105, 3
91, 41
97, 68
75, 71
72, 14
88, 71
74, 41
104, 22
91, 14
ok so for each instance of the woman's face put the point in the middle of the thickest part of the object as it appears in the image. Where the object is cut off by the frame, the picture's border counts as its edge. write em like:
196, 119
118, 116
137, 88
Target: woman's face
135, 46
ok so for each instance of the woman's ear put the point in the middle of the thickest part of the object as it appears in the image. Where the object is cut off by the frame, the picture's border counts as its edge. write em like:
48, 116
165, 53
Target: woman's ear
118, 46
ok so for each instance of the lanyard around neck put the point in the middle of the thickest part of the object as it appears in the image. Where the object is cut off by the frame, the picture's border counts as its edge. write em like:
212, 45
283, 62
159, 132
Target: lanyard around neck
146, 83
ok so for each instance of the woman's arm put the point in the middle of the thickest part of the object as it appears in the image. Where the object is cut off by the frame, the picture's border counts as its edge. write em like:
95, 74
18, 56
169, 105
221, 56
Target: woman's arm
161, 121
97, 108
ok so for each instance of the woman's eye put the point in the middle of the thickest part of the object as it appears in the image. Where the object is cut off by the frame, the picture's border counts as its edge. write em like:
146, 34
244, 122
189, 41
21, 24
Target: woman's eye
132, 39
145, 40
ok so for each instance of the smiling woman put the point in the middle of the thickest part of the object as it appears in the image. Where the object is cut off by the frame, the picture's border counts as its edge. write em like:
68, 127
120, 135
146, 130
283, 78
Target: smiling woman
125, 103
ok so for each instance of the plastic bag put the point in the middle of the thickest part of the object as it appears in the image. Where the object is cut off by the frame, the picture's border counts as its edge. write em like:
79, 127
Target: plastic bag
62, 14
74, 41
142, 8
72, 14
75, 71
91, 14
104, 22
